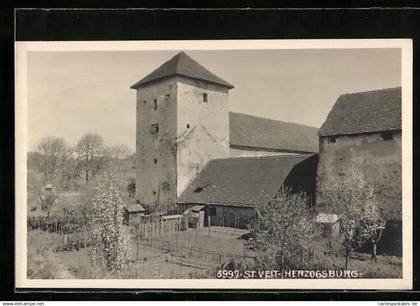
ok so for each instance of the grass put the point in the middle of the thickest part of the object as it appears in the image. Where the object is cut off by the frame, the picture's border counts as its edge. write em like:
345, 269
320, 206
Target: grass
42, 262
383, 267
152, 262
216, 241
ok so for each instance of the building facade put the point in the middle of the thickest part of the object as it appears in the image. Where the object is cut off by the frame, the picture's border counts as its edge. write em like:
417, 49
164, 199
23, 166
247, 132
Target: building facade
363, 130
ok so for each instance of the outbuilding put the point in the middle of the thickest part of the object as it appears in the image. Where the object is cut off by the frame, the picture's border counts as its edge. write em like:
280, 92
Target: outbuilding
228, 190
133, 213
363, 131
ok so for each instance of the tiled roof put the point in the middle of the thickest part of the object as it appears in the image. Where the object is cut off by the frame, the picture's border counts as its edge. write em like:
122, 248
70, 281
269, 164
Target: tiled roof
183, 65
240, 181
364, 112
251, 131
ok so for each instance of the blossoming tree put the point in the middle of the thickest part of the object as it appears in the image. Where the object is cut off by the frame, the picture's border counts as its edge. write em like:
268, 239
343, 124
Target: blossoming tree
110, 238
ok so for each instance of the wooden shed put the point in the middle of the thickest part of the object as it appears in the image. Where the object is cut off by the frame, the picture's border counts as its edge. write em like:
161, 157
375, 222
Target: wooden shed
133, 213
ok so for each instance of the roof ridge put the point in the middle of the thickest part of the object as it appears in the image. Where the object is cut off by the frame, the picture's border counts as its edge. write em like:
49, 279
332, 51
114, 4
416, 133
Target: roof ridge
182, 64
178, 55
371, 91
276, 120
262, 157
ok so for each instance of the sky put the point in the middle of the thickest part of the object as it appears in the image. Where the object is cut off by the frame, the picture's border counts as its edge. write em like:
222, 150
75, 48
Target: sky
72, 93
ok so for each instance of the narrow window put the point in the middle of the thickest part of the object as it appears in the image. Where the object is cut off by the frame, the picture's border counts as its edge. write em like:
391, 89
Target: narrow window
188, 125
387, 136
205, 98
155, 160
144, 102
154, 104
154, 192
331, 139
154, 129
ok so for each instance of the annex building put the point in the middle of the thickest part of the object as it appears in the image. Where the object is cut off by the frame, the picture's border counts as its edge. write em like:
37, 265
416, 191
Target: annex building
363, 130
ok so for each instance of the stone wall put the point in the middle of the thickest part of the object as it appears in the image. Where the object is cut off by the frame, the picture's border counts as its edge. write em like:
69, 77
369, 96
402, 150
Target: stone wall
190, 133
156, 154
202, 127
380, 161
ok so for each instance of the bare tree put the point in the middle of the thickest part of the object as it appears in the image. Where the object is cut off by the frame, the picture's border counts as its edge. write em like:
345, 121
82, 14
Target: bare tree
118, 155
284, 227
351, 197
52, 156
131, 187
91, 154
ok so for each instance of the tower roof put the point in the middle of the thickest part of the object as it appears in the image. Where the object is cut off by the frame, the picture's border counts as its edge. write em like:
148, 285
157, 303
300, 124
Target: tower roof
182, 64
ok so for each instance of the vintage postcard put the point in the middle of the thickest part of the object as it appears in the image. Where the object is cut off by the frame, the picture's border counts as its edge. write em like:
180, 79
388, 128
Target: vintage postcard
254, 164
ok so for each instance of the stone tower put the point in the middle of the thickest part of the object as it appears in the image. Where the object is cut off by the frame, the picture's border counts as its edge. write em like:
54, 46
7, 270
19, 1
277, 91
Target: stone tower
182, 123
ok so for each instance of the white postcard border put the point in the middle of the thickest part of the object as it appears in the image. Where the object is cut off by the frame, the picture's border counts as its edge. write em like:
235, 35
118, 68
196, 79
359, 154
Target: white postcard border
21, 51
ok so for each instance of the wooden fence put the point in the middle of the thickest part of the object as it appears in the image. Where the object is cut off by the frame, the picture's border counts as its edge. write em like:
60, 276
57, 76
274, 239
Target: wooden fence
59, 225
69, 232
148, 228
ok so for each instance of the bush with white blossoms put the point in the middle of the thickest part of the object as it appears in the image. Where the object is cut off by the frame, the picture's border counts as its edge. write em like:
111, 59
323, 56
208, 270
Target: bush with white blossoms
352, 197
110, 238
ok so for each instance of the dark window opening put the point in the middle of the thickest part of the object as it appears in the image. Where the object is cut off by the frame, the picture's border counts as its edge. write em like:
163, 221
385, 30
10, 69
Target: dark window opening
188, 126
154, 104
155, 160
387, 136
205, 98
144, 101
154, 192
331, 139
167, 96
154, 129
200, 188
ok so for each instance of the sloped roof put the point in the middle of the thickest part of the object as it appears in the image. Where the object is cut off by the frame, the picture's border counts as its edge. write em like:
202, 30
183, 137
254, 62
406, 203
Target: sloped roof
134, 208
197, 207
251, 131
364, 112
327, 218
182, 64
240, 181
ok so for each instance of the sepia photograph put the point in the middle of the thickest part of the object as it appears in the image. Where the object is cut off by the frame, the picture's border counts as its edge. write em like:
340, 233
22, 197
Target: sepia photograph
214, 164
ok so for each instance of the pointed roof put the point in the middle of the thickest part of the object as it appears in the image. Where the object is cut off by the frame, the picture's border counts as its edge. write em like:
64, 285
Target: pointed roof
182, 64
